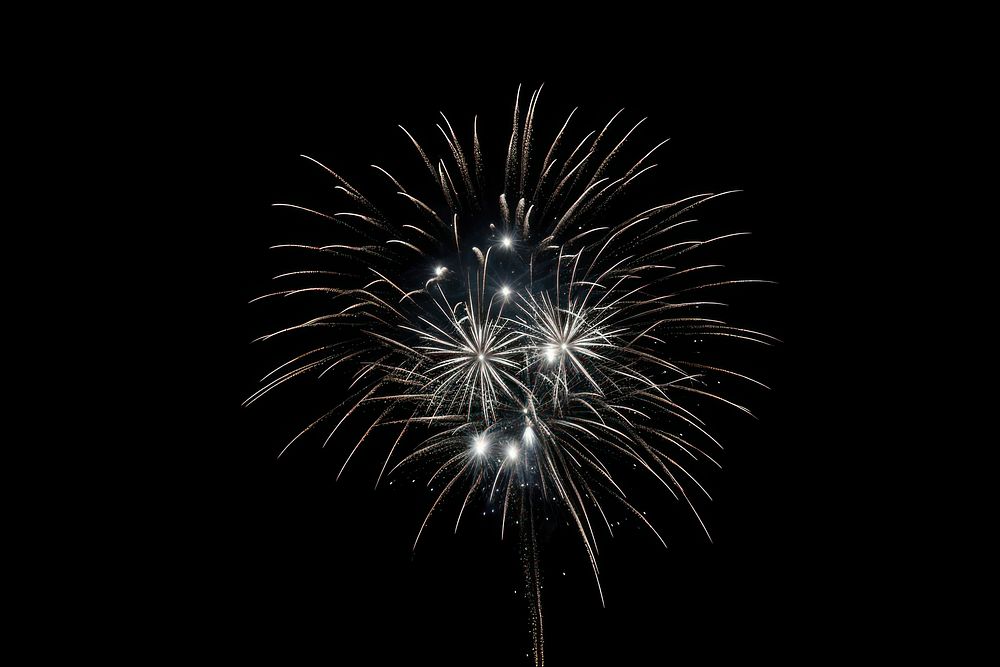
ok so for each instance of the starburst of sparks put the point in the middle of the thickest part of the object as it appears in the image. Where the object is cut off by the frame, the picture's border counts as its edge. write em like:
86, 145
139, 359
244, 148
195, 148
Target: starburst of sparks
514, 345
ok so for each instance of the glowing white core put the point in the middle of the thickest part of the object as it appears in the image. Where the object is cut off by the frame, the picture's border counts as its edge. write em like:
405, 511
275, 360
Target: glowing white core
479, 445
481, 357
512, 452
563, 346
506, 241
438, 271
550, 354
505, 290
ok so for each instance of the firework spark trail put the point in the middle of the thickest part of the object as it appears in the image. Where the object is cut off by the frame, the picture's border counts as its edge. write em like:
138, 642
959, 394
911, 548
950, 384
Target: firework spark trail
525, 386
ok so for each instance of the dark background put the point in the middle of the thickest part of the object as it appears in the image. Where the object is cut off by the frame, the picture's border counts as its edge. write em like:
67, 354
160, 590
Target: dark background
302, 563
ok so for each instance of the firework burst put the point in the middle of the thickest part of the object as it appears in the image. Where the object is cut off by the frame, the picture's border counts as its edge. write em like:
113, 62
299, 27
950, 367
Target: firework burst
514, 343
